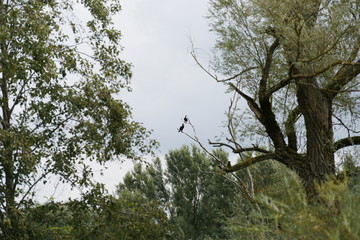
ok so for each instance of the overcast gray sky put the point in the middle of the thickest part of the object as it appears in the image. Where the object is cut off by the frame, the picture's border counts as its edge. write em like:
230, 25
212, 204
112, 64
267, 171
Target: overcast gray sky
167, 84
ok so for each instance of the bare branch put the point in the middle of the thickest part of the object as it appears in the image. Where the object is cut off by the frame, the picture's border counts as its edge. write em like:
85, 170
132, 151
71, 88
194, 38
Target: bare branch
223, 165
214, 76
32, 186
231, 121
348, 129
195, 139
220, 144
237, 75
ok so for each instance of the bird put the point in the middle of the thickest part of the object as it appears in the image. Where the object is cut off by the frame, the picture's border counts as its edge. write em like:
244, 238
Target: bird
229, 164
186, 119
181, 128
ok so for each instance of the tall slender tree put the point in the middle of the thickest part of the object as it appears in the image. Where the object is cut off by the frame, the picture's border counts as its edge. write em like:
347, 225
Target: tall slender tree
60, 78
296, 64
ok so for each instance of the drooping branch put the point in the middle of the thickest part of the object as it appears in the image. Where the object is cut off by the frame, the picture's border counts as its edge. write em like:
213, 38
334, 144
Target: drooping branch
347, 142
250, 161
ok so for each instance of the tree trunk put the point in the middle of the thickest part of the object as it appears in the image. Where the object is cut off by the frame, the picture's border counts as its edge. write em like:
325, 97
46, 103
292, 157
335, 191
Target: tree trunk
316, 108
10, 217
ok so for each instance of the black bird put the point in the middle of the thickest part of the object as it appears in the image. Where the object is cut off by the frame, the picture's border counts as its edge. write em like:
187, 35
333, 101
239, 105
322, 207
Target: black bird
186, 119
229, 164
181, 128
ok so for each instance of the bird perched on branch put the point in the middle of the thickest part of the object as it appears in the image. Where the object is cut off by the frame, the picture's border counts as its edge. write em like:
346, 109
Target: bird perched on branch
186, 119
181, 128
229, 164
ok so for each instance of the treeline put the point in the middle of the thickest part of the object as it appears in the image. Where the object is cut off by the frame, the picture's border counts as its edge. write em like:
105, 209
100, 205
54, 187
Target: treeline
187, 196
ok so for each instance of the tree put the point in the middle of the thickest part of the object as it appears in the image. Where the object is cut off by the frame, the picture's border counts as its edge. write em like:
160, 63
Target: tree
97, 216
296, 64
287, 213
191, 190
150, 182
130, 216
60, 82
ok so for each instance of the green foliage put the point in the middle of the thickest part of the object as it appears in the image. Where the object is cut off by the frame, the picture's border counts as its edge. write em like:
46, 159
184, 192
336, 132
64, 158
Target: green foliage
149, 182
97, 216
130, 216
288, 214
200, 196
49, 221
191, 190
61, 76
153, 203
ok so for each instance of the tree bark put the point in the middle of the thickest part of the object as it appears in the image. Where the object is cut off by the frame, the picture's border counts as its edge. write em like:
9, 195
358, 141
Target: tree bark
316, 108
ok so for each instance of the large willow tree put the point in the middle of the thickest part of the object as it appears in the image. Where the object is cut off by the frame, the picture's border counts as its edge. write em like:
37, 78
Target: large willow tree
60, 79
296, 65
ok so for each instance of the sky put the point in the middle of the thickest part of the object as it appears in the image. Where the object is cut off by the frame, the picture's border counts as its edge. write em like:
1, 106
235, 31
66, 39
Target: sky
167, 83
157, 37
